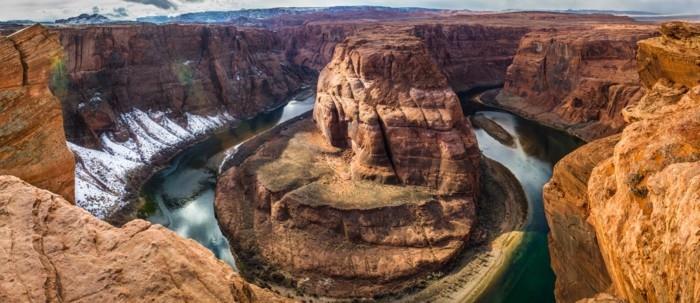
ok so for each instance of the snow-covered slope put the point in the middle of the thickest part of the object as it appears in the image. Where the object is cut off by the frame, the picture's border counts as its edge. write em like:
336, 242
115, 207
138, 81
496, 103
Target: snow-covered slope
102, 176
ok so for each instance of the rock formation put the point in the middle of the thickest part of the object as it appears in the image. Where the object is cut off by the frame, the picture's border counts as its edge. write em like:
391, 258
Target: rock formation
576, 79
375, 196
53, 251
32, 142
571, 237
472, 55
383, 96
642, 194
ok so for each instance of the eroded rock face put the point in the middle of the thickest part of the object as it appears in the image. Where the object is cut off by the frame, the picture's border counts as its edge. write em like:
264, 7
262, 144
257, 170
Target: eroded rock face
383, 96
53, 251
576, 79
295, 217
642, 198
472, 55
32, 140
197, 69
571, 237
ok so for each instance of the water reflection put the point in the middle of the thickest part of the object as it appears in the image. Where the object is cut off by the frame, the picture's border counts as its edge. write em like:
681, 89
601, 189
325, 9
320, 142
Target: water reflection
181, 196
528, 277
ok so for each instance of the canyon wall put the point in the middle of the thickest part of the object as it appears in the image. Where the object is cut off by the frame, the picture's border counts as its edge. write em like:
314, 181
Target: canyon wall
32, 142
176, 69
642, 194
472, 55
576, 79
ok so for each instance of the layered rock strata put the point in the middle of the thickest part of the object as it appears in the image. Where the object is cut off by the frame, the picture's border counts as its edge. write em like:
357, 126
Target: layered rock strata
375, 195
53, 251
196, 69
576, 79
32, 142
571, 237
642, 193
385, 98
136, 94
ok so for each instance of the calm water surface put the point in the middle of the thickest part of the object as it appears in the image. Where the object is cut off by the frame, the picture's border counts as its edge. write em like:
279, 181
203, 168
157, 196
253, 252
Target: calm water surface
181, 197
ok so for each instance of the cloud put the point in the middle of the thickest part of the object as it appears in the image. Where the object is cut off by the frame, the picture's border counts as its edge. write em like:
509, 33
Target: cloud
162, 4
119, 12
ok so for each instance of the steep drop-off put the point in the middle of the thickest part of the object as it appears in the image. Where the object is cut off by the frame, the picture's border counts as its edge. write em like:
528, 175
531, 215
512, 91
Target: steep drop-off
576, 79
32, 142
643, 193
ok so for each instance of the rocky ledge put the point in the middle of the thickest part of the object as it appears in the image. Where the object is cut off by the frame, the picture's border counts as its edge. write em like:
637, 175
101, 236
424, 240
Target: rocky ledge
629, 208
53, 251
374, 196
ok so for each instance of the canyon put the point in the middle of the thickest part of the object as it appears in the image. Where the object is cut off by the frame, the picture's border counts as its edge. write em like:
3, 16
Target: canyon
382, 193
54, 251
139, 93
625, 205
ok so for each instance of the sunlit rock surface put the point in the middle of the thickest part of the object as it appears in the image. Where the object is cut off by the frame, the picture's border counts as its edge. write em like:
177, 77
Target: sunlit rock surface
32, 141
52, 251
643, 198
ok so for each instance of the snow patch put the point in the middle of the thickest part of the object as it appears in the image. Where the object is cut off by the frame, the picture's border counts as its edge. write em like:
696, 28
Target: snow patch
102, 176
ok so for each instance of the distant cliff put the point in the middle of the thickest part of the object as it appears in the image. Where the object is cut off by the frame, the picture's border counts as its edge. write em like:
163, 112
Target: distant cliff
576, 79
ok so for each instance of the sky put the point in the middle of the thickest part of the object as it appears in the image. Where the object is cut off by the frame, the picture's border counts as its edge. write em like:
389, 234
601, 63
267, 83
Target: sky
44, 10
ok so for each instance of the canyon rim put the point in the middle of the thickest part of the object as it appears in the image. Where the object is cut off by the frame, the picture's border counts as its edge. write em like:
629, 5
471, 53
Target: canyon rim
348, 154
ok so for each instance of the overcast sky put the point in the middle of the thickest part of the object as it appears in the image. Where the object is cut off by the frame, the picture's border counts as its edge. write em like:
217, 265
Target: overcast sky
53, 9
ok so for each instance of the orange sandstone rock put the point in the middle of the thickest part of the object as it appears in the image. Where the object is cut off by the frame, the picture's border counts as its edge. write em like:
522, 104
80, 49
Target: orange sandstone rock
32, 141
52, 251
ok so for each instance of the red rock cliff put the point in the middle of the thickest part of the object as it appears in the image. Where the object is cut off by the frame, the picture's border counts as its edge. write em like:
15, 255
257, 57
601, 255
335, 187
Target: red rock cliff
383, 96
642, 195
576, 79
32, 141
53, 251
199, 69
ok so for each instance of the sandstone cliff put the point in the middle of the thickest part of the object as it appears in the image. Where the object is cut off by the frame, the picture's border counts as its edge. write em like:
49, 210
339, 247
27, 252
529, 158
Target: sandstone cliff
642, 194
571, 237
472, 55
53, 251
32, 142
383, 96
576, 79
179, 69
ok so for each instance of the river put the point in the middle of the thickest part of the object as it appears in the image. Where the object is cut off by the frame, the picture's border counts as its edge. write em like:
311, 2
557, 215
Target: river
181, 196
